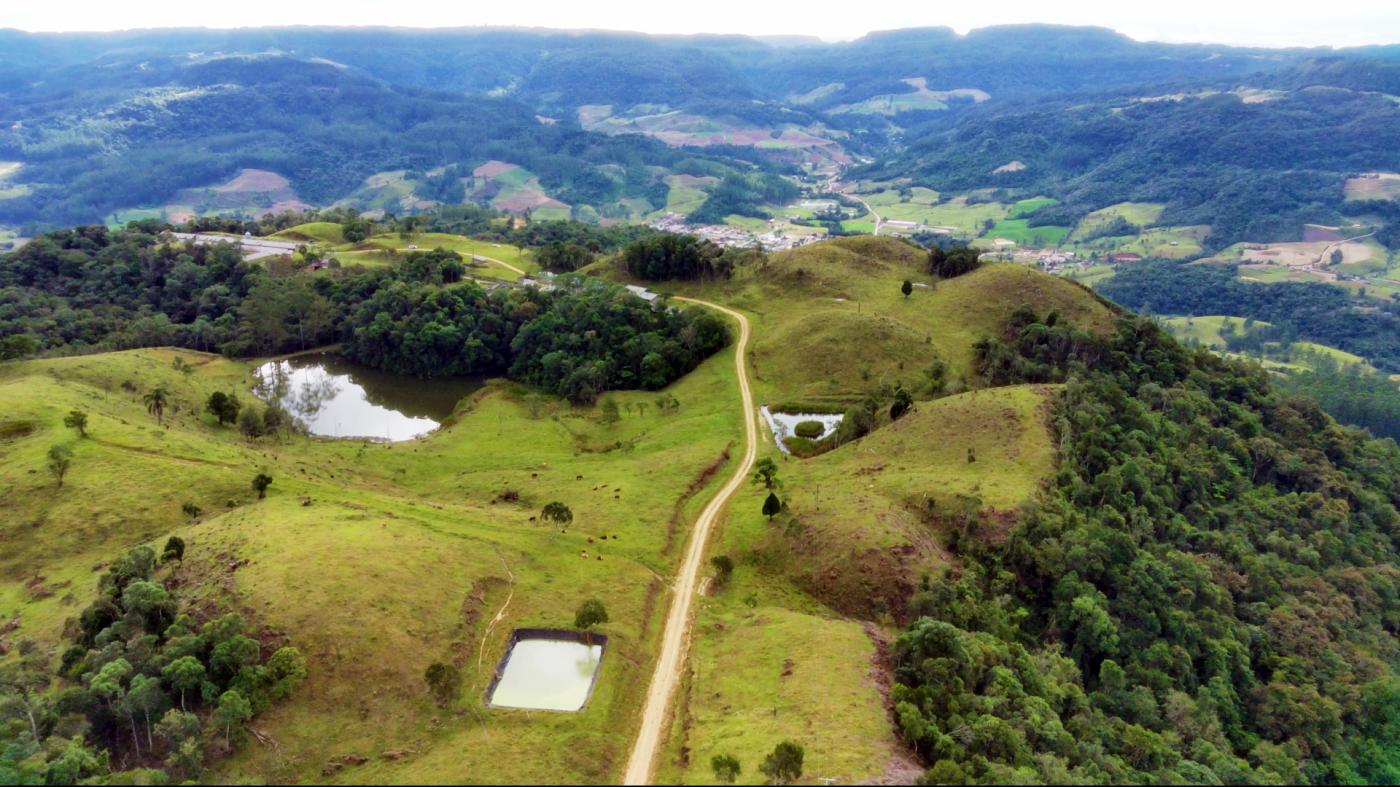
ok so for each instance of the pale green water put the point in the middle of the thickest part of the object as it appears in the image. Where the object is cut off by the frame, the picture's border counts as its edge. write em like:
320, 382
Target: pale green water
547, 674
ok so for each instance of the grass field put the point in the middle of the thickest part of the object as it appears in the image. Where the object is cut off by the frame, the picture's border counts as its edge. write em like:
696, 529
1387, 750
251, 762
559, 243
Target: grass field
319, 231
956, 214
1026, 207
1138, 214
831, 323
1206, 331
386, 249
411, 553
1020, 231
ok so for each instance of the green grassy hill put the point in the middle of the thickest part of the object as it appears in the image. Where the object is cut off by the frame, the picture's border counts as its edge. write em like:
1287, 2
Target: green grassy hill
402, 556
832, 324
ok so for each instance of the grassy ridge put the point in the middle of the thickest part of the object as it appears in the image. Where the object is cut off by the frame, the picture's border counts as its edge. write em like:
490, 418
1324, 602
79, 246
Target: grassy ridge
831, 322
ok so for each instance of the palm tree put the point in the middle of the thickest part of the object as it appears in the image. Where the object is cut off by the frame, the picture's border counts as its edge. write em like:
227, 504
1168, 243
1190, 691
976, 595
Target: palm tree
155, 404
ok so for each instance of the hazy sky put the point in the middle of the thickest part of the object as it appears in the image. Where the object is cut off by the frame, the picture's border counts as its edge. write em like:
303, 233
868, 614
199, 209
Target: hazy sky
1280, 23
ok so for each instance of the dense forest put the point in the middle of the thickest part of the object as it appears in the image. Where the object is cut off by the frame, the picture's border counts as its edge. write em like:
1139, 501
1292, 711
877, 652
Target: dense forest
1296, 310
91, 289
145, 693
579, 339
1207, 593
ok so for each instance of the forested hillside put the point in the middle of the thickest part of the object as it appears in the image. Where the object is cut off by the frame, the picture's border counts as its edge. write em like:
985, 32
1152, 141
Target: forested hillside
1253, 166
97, 123
1206, 593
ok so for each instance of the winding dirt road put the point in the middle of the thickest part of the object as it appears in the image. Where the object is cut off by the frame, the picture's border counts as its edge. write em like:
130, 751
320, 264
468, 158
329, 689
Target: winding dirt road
674, 639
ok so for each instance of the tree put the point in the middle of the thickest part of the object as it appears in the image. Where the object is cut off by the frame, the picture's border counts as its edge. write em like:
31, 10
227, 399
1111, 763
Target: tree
224, 407
772, 506
250, 424
261, 482
145, 696
784, 764
182, 730
902, 402
184, 674
26, 678
444, 681
557, 513
724, 568
233, 709
60, 459
590, 613
275, 420
76, 419
610, 414
17, 346
907, 287
156, 402
190, 510
726, 767
107, 684
175, 547
765, 472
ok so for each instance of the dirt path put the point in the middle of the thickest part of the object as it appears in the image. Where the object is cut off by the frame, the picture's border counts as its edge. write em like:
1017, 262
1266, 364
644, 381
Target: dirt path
878, 220
501, 263
642, 762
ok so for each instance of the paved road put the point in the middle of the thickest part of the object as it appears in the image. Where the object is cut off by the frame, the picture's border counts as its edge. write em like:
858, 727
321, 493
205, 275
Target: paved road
253, 248
642, 762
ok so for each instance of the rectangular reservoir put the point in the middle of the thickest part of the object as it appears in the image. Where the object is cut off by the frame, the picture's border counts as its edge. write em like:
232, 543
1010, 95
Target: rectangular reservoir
547, 670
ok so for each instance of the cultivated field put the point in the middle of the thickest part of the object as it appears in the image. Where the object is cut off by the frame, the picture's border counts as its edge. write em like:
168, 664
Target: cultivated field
1374, 185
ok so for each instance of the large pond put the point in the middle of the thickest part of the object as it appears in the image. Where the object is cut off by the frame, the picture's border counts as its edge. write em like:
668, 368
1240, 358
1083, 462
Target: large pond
336, 397
547, 674
784, 424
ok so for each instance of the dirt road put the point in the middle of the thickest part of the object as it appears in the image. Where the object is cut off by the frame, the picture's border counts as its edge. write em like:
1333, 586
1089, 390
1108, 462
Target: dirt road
502, 263
875, 215
674, 639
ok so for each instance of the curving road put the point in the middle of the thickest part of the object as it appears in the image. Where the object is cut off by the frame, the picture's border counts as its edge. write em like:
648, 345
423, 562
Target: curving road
673, 640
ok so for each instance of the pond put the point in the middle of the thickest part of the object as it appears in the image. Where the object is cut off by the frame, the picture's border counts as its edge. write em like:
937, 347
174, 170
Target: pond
543, 673
336, 397
783, 424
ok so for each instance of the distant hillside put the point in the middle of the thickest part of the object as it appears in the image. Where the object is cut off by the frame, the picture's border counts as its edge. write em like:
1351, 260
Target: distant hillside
153, 129
1254, 159
1252, 142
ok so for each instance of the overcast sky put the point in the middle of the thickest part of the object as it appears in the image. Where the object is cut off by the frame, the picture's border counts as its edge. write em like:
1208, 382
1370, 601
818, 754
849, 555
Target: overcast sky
1280, 23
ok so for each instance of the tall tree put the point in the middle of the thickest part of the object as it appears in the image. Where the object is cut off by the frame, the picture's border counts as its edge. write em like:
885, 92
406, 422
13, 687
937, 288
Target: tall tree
156, 401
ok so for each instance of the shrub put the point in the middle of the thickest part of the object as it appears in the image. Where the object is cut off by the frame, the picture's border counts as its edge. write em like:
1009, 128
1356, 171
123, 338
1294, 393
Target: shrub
810, 430
444, 681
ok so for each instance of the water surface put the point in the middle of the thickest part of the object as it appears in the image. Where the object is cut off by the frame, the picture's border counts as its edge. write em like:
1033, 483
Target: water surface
784, 424
547, 674
336, 397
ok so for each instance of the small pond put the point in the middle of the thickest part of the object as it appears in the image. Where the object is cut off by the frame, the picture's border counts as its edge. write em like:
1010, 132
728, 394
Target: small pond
546, 672
783, 424
336, 397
